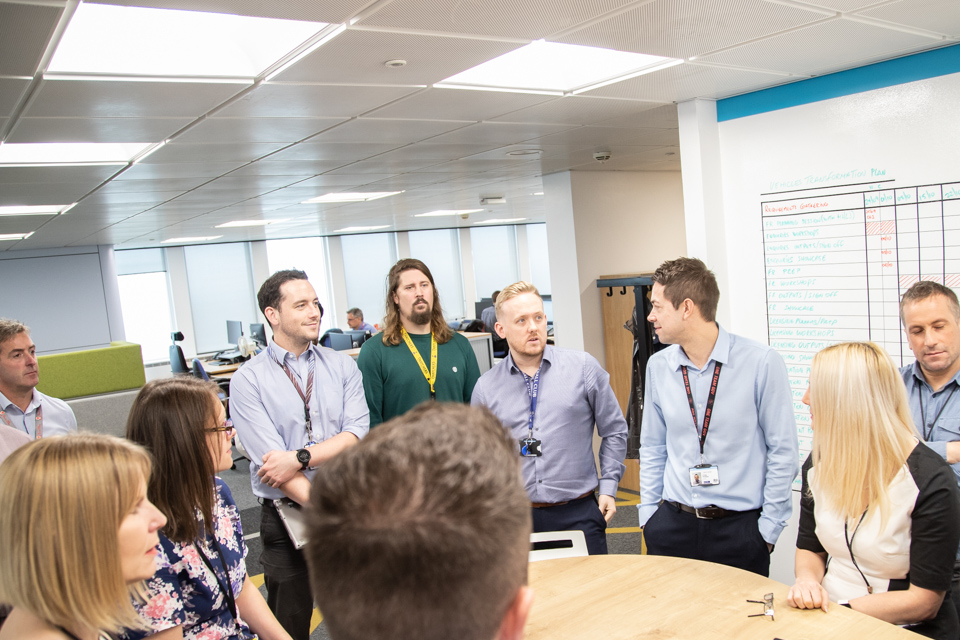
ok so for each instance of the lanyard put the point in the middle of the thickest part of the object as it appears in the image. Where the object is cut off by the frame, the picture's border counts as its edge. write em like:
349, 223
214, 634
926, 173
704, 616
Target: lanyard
533, 389
693, 407
923, 415
849, 541
304, 397
38, 419
226, 589
431, 375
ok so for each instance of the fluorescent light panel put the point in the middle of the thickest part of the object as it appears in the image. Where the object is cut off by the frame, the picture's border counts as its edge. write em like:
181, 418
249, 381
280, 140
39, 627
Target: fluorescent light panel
249, 223
15, 236
499, 220
35, 210
446, 212
553, 66
350, 197
349, 229
191, 239
137, 41
66, 153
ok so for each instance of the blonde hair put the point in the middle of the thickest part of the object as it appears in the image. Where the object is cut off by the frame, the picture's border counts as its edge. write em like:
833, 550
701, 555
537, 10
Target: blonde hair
862, 428
514, 290
62, 500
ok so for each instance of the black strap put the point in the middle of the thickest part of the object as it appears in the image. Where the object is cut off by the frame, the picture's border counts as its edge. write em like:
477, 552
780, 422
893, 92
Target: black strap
849, 540
923, 415
226, 589
710, 399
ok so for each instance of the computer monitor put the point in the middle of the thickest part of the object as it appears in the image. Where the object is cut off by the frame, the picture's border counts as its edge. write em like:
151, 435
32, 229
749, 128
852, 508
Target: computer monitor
340, 341
358, 337
259, 333
234, 331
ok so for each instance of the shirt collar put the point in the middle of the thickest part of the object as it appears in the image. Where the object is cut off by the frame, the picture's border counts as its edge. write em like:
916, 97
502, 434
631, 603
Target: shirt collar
6, 403
922, 381
547, 357
280, 354
720, 353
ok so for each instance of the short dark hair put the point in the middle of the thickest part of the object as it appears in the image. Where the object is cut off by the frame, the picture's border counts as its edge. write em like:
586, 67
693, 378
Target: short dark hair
493, 296
169, 418
355, 312
422, 530
926, 289
689, 278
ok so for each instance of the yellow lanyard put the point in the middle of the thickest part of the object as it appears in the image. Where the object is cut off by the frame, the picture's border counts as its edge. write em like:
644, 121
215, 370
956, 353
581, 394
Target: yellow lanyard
431, 375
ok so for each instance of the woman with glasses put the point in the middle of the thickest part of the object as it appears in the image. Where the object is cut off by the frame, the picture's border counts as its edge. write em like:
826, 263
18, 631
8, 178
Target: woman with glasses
879, 511
201, 589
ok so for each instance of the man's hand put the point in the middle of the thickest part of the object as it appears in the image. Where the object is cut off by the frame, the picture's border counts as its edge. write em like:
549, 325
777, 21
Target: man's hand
279, 467
608, 507
953, 452
808, 594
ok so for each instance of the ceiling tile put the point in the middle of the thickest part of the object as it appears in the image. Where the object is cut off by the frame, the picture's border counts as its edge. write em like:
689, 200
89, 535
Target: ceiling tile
274, 100
24, 32
239, 153
940, 16
146, 186
335, 182
145, 171
690, 80
591, 136
11, 89
578, 110
309, 10
458, 104
664, 117
359, 57
95, 129
830, 43
501, 133
51, 193
93, 175
256, 129
684, 28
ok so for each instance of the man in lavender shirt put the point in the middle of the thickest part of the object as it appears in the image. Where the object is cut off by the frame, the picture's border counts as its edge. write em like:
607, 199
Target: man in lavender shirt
550, 399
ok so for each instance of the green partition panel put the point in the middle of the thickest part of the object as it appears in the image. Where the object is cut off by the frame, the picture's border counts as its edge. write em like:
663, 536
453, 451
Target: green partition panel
91, 372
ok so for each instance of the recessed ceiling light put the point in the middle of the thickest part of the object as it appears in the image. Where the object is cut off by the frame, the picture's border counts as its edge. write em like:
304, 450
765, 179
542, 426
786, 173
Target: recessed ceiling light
554, 66
351, 197
15, 236
349, 229
394, 64
139, 41
191, 239
249, 223
447, 212
537, 193
70, 153
524, 152
499, 220
36, 210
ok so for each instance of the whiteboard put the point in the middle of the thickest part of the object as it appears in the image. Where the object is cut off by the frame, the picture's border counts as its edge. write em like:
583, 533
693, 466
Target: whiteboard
831, 210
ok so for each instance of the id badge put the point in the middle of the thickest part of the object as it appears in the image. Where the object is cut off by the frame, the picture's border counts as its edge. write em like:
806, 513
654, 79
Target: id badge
530, 448
704, 475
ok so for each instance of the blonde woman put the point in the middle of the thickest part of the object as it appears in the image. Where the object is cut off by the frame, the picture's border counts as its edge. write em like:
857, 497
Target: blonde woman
880, 512
77, 532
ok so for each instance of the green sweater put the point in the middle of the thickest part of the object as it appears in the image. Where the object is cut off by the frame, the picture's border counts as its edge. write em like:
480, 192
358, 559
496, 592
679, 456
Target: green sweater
394, 383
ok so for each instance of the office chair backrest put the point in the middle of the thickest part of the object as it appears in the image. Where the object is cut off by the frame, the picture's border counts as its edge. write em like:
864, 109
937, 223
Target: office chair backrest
177, 362
198, 370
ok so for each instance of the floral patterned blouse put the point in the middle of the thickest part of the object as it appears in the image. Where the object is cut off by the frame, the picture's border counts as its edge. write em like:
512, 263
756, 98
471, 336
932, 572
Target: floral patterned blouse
184, 592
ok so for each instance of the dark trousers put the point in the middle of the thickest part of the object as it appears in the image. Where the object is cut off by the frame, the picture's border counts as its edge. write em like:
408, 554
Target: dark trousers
955, 587
734, 540
582, 514
285, 575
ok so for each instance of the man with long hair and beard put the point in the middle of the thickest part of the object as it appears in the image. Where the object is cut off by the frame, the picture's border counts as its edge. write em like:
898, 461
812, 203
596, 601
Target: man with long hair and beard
417, 357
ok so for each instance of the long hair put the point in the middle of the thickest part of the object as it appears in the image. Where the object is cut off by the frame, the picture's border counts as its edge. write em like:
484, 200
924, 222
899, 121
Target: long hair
862, 428
169, 418
392, 323
62, 501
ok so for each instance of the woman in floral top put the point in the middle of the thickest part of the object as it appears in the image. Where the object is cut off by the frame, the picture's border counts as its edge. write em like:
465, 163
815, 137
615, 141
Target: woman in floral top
201, 589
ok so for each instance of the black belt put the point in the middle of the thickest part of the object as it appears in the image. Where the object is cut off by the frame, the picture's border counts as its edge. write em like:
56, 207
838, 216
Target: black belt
710, 512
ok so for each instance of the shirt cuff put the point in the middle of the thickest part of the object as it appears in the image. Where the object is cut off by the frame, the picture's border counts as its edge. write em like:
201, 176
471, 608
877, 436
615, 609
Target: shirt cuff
645, 511
608, 487
770, 530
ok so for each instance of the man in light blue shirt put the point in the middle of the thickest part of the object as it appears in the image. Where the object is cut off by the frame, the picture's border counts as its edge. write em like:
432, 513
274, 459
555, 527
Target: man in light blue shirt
718, 491
489, 315
356, 323
22, 407
550, 399
930, 315
295, 405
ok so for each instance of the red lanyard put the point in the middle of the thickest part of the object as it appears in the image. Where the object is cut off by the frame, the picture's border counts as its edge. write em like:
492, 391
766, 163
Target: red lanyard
305, 397
710, 399
38, 419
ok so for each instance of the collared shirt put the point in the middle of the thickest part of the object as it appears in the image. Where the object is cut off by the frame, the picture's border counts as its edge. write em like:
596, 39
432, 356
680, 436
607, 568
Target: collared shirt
945, 403
10, 440
366, 326
489, 318
752, 436
574, 394
268, 413
58, 418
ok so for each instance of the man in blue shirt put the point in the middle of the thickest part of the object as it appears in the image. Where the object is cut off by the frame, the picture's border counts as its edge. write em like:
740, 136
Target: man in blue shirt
295, 405
931, 317
356, 323
550, 399
22, 407
489, 315
718, 453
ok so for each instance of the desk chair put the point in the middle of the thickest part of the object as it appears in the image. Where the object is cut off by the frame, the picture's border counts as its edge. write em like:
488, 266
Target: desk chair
178, 364
199, 372
577, 540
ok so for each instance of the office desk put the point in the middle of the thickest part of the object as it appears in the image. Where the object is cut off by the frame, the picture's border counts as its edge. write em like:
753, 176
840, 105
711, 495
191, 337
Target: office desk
216, 370
636, 596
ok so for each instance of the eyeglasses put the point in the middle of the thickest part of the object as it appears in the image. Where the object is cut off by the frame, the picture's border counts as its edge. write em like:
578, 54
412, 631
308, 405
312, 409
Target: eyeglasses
767, 603
227, 427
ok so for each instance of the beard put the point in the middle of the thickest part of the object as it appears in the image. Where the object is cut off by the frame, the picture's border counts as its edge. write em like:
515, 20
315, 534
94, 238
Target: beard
421, 317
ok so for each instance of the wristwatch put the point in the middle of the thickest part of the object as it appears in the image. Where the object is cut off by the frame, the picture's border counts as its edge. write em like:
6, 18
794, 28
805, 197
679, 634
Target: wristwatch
303, 457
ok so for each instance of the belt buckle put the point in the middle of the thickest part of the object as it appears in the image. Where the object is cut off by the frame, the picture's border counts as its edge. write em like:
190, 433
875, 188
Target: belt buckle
706, 513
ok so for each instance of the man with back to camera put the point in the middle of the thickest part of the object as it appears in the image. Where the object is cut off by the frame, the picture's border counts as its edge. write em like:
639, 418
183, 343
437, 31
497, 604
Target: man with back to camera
356, 323
22, 407
425, 531
294, 405
718, 453
489, 315
549, 399
930, 315
416, 356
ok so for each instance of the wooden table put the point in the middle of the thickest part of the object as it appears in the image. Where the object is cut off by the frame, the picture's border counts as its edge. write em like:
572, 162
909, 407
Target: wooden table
637, 596
217, 370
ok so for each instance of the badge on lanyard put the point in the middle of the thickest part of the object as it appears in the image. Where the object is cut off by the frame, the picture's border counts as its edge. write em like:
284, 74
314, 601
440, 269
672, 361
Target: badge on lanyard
703, 474
530, 446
